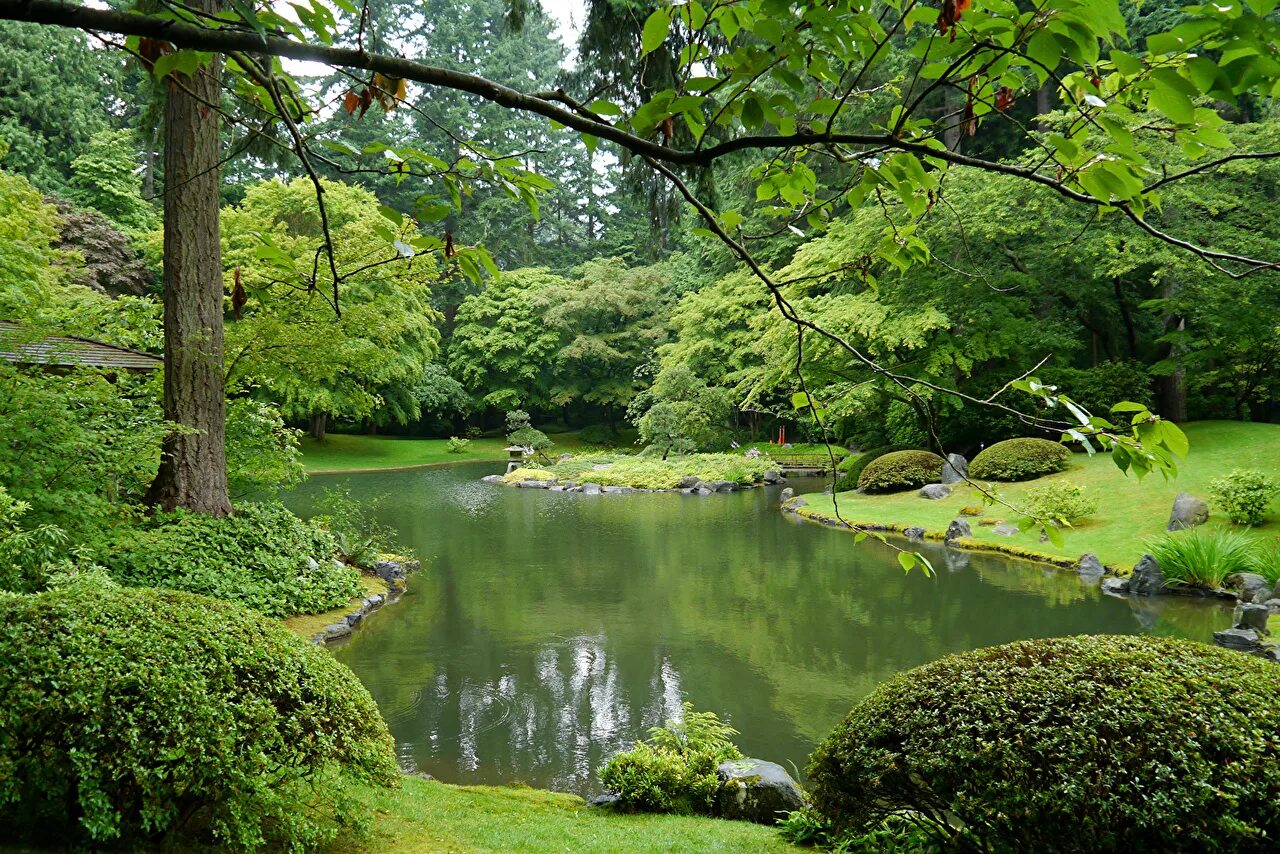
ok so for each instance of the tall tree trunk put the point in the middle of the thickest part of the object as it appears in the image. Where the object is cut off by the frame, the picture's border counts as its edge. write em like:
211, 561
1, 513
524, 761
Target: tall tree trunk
319, 421
193, 462
1044, 103
1171, 388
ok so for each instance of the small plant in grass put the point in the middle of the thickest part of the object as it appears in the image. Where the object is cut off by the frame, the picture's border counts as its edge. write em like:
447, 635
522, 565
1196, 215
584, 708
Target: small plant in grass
1245, 495
971, 510
1202, 557
675, 769
457, 445
1060, 502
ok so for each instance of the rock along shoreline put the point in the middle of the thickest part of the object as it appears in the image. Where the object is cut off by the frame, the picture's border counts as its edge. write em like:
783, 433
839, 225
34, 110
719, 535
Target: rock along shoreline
1254, 598
395, 573
688, 485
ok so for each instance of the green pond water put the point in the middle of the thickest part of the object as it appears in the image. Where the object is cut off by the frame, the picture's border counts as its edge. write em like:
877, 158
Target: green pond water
547, 631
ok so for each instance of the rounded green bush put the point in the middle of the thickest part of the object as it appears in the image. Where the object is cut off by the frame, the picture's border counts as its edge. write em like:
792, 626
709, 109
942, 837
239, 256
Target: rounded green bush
1019, 459
263, 557
1104, 743
900, 470
129, 714
852, 465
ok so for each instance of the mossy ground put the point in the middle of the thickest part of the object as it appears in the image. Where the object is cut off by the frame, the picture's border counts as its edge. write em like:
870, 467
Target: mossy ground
307, 625
428, 816
1129, 510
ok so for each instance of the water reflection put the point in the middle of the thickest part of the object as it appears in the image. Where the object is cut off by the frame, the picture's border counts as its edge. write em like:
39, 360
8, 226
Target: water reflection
548, 630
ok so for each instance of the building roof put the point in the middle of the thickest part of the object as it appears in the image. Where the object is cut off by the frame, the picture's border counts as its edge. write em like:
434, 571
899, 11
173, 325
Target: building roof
70, 351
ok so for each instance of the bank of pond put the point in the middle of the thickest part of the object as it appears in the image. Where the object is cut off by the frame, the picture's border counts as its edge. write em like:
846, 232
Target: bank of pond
548, 633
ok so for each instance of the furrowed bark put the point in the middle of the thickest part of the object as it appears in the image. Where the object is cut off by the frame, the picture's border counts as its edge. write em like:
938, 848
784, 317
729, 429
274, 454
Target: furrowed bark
193, 463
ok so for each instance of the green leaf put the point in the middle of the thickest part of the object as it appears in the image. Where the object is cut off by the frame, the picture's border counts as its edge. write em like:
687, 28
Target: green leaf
907, 560
1174, 439
656, 27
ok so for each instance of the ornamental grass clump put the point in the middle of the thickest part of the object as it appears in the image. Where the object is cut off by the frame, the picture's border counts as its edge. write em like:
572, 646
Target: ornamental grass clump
1019, 459
1203, 557
135, 717
675, 769
1105, 743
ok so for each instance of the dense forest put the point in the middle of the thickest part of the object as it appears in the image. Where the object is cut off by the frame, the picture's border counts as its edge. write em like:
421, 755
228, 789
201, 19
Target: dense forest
605, 301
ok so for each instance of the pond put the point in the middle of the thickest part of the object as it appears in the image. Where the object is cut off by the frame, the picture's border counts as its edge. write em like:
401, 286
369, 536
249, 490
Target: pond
547, 631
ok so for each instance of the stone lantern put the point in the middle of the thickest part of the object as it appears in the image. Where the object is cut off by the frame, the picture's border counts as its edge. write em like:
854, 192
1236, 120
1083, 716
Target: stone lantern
516, 456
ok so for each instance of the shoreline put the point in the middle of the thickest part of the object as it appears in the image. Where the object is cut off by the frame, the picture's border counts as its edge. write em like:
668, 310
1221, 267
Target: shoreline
415, 467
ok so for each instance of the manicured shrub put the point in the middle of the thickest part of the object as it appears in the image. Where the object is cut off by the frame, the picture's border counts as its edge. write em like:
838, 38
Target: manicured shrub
1202, 557
675, 769
971, 510
901, 470
457, 445
1060, 502
1019, 459
1245, 495
1101, 743
131, 714
852, 466
263, 557
521, 432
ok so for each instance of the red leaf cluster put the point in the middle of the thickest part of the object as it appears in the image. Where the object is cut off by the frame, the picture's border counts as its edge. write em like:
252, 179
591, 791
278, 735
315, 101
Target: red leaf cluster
950, 16
1004, 99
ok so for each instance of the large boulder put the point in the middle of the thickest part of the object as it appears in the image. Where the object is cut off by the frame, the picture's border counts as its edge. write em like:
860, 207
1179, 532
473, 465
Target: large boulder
1250, 616
1147, 579
1249, 586
755, 790
1090, 568
1188, 511
915, 534
591, 488
1005, 529
935, 491
958, 528
956, 469
688, 482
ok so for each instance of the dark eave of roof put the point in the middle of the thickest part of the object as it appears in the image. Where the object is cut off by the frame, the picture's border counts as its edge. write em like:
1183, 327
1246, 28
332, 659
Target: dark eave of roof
70, 351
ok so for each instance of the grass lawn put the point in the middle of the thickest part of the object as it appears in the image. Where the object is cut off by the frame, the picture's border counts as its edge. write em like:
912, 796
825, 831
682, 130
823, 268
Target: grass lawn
425, 815
342, 452
1129, 510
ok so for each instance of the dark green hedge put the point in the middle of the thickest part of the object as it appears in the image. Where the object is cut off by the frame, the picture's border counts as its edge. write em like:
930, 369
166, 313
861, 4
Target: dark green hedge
127, 713
1068, 744
900, 470
1020, 459
263, 557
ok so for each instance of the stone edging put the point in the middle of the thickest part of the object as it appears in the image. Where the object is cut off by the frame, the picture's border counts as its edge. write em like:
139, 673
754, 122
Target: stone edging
1146, 579
394, 573
689, 485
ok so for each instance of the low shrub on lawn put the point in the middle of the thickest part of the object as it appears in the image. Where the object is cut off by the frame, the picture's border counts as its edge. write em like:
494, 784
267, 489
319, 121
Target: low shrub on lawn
1102, 743
1019, 459
901, 470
